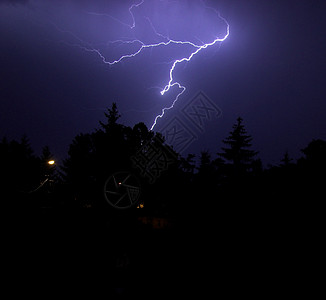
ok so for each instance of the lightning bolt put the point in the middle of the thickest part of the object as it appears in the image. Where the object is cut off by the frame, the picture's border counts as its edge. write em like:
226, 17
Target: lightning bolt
167, 41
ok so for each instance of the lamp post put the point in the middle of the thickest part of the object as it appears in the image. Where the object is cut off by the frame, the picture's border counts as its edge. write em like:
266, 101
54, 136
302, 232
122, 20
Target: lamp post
51, 162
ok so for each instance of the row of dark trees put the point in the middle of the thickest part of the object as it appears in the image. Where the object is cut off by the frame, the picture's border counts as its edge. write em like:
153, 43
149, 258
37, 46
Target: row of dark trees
234, 178
21, 170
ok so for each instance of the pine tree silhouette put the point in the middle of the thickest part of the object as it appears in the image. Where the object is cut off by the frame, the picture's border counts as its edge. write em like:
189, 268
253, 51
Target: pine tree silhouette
95, 156
286, 160
238, 153
112, 116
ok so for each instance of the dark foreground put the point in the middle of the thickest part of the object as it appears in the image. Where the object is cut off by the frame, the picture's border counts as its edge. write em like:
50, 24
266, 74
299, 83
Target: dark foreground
129, 255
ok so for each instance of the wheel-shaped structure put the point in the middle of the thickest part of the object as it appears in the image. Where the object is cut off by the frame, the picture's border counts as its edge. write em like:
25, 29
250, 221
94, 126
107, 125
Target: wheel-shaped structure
122, 190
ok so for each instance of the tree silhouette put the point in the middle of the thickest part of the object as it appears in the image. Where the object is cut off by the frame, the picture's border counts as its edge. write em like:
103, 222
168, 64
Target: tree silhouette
188, 164
95, 156
20, 169
237, 152
312, 167
78, 167
286, 161
315, 153
205, 166
112, 116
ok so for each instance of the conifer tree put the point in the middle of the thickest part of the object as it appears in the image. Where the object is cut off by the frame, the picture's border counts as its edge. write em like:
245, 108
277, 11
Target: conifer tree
238, 152
286, 160
112, 116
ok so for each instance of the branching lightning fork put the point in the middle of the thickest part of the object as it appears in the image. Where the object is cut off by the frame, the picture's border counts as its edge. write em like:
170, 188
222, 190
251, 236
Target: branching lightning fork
167, 41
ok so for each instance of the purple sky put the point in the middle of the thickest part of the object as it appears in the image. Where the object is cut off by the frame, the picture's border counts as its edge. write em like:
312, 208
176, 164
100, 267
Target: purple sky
270, 71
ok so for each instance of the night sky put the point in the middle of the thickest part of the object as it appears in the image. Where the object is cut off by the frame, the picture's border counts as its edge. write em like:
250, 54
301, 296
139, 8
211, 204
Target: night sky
271, 70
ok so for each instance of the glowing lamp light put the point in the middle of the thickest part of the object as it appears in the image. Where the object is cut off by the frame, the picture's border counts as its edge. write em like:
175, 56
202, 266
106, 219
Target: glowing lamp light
51, 162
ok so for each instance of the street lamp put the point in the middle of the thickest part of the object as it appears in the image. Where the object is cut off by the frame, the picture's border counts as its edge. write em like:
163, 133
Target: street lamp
51, 162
